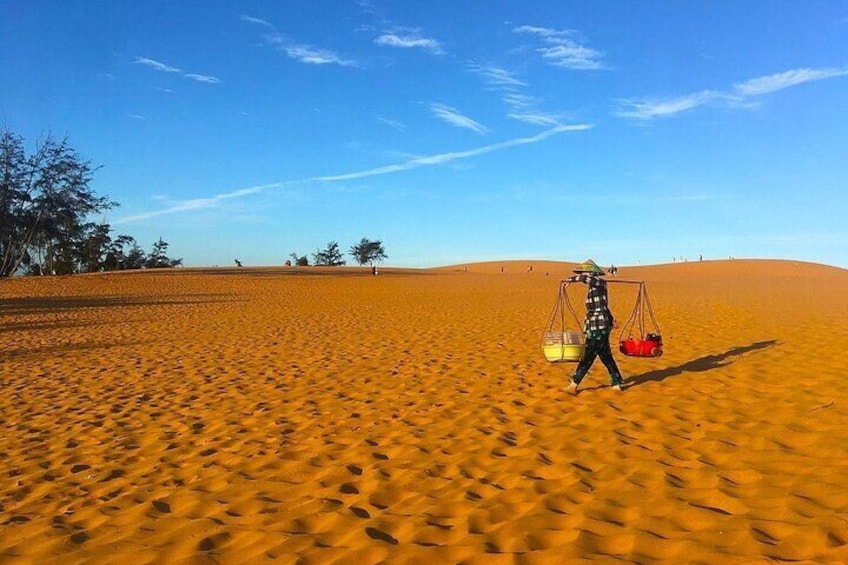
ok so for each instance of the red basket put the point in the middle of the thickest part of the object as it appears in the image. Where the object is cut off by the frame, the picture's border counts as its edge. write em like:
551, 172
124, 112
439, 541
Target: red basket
650, 347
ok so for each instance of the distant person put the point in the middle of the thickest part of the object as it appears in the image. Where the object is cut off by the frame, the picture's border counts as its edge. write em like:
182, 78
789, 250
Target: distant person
238, 263
597, 327
374, 270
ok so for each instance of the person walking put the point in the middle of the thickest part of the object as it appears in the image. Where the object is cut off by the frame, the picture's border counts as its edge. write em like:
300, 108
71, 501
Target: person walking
597, 327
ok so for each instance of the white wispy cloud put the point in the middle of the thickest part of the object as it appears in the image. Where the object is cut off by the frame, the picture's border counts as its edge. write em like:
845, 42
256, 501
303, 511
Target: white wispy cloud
496, 75
316, 56
561, 48
654, 108
301, 52
524, 107
392, 123
443, 158
455, 118
409, 41
742, 94
519, 101
367, 6
196, 204
779, 81
153, 64
202, 78
136, 116
536, 118
309, 54
257, 21
162, 67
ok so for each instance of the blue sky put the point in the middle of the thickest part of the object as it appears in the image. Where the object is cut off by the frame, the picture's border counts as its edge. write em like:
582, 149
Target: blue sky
454, 131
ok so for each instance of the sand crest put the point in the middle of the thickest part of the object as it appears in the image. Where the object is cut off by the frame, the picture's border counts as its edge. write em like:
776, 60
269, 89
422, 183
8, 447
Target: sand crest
328, 416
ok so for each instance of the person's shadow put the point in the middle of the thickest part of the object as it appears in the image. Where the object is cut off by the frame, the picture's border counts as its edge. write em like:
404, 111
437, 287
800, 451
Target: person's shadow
706, 363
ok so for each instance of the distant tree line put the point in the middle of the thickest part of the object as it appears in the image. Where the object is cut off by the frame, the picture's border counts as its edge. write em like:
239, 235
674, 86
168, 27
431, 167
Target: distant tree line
45, 206
366, 252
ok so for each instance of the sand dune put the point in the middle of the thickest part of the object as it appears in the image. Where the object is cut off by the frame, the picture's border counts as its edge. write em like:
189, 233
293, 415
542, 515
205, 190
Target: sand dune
328, 416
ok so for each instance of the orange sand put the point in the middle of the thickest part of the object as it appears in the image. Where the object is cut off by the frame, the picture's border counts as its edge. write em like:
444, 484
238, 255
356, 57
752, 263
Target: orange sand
327, 416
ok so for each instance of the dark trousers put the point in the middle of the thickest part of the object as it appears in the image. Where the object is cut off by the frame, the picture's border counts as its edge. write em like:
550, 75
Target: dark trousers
597, 345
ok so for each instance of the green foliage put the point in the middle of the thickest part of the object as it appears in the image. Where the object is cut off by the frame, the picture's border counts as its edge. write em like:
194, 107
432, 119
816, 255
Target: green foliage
116, 253
135, 258
158, 257
299, 261
44, 202
368, 252
329, 257
45, 206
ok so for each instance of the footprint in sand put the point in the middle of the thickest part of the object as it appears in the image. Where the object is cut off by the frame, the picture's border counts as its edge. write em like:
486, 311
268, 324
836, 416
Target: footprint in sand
213, 542
354, 469
360, 512
380, 535
348, 488
113, 474
162, 506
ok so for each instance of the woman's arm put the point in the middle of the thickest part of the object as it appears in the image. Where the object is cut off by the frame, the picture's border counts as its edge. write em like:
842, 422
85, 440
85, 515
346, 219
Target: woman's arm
580, 277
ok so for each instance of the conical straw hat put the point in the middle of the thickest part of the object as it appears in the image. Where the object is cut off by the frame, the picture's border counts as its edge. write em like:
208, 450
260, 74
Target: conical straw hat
589, 266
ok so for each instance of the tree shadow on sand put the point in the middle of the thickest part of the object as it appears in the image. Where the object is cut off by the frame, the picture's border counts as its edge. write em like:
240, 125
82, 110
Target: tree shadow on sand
55, 351
42, 305
699, 365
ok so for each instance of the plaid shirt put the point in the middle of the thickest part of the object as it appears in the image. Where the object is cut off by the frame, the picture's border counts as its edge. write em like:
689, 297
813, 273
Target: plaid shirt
598, 315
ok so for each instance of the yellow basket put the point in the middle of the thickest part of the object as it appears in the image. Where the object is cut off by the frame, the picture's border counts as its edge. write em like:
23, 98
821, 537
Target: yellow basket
563, 346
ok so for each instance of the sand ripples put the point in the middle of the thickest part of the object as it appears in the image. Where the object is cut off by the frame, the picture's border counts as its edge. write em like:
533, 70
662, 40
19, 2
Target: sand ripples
249, 416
